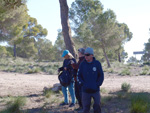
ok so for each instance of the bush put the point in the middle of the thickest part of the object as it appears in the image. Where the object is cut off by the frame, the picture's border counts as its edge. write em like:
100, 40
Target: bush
34, 70
125, 72
104, 70
148, 73
103, 90
20, 65
139, 104
130, 64
125, 87
110, 70
48, 92
146, 63
143, 72
14, 105
145, 68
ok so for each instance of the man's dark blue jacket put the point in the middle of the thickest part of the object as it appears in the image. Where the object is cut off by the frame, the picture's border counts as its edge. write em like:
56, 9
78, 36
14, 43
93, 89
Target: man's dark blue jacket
90, 76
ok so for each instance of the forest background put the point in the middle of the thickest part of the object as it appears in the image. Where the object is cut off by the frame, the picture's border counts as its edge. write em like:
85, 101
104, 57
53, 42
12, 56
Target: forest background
29, 60
91, 26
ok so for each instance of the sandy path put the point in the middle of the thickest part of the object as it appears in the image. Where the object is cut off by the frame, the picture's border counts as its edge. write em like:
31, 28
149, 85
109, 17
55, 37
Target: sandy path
26, 84
31, 86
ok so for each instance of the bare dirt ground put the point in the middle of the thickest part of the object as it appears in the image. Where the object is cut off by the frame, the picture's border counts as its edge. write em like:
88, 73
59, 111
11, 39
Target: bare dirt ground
31, 86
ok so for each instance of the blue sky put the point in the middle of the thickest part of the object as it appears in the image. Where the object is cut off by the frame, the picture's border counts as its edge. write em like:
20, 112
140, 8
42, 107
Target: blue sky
135, 13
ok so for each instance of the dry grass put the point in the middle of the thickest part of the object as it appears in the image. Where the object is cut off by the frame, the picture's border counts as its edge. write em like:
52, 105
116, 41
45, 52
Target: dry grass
26, 66
113, 99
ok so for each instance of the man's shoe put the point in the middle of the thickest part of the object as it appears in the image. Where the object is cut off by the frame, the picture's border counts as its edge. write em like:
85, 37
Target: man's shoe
72, 105
79, 108
62, 104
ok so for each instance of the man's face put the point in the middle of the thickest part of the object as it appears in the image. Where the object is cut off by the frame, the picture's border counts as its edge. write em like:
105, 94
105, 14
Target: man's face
88, 57
80, 54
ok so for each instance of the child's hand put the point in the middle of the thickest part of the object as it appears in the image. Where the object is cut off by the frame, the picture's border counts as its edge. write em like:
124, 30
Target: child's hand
65, 68
72, 62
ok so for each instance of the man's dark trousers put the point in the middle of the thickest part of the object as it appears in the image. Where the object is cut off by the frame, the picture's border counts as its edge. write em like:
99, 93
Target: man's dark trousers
78, 93
86, 102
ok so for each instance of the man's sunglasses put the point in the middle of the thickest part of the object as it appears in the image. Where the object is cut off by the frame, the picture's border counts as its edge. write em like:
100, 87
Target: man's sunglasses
87, 54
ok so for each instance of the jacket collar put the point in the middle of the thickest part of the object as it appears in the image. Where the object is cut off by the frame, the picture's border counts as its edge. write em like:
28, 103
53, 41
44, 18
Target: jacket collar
81, 58
92, 61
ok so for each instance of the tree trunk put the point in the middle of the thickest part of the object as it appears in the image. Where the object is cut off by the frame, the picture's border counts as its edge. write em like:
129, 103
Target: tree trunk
66, 27
108, 64
15, 51
118, 53
119, 57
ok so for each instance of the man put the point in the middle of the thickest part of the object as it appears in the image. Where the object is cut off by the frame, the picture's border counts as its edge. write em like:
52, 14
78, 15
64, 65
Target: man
77, 87
90, 77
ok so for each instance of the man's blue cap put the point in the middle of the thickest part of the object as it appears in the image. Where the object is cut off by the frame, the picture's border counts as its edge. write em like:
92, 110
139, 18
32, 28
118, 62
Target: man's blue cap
89, 50
65, 52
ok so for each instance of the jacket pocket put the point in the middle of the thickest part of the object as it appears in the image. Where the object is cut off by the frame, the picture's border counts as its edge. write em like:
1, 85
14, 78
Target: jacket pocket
90, 88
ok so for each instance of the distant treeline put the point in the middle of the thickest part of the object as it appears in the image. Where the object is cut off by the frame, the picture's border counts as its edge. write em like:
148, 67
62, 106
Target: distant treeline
92, 27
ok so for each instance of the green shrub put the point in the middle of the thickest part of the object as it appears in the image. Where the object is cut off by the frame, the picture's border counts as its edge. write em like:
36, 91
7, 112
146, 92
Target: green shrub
125, 87
145, 68
103, 90
14, 105
60, 92
110, 70
117, 64
20, 65
34, 70
56, 65
139, 104
48, 93
130, 64
51, 71
143, 72
104, 70
146, 63
125, 72
104, 64
148, 73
